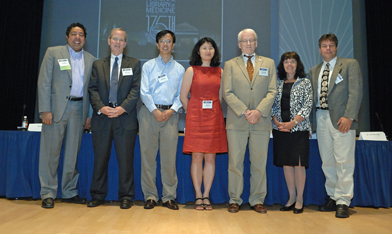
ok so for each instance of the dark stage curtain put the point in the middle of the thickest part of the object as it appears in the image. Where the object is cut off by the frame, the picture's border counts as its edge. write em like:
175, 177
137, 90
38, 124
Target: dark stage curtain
20, 38
379, 44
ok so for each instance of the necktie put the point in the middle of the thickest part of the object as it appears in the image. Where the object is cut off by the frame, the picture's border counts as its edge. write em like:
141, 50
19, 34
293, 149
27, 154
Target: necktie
114, 83
249, 67
324, 87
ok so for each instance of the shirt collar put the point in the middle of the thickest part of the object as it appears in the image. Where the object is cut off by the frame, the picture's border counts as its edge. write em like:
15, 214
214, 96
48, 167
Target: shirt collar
331, 63
74, 54
161, 59
254, 55
114, 57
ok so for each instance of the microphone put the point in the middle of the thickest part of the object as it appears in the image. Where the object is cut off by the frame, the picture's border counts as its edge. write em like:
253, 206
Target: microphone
379, 121
24, 121
24, 108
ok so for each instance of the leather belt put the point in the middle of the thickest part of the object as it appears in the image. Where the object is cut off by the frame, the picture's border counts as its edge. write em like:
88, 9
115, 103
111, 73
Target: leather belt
321, 108
114, 105
75, 98
163, 107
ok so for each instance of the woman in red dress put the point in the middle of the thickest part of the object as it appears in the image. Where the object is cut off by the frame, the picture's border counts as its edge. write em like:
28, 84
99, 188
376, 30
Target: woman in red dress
205, 133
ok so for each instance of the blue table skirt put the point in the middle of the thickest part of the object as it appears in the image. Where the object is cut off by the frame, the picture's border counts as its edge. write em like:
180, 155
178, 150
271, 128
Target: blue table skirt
19, 155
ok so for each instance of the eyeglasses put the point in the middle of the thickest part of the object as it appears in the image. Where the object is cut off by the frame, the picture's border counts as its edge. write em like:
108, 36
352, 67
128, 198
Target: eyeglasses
116, 39
168, 41
246, 41
326, 46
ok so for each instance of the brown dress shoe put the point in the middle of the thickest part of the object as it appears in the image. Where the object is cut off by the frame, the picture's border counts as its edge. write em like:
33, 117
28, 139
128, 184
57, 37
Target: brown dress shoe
150, 204
171, 204
259, 208
233, 208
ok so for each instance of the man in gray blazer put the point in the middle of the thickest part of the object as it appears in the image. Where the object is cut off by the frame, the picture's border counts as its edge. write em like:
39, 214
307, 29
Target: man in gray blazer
249, 86
63, 105
114, 91
337, 95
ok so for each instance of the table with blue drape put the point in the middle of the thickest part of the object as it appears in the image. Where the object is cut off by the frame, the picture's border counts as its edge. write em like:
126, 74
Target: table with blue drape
19, 156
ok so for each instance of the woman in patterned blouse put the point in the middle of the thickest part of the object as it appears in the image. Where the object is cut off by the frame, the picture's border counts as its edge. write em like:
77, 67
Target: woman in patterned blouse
291, 126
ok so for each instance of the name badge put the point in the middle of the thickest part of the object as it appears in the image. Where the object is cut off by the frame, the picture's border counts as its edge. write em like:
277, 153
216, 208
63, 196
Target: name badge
127, 71
207, 104
64, 64
338, 79
162, 78
263, 71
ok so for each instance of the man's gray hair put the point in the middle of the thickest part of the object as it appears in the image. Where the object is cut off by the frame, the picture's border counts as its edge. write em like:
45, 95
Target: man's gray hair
246, 30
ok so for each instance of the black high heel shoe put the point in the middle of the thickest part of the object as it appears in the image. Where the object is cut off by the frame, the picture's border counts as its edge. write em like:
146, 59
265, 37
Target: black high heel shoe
288, 208
298, 211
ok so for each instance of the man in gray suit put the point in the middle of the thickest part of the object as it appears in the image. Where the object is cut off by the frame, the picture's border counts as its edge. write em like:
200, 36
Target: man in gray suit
63, 105
337, 95
249, 85
114, 91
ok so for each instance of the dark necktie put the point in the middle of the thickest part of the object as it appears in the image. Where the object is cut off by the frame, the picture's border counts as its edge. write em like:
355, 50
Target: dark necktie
114, 83
249, 67
324, 87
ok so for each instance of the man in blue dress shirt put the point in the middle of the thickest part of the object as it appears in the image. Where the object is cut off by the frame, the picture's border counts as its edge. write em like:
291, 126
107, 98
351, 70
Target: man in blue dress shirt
158, 121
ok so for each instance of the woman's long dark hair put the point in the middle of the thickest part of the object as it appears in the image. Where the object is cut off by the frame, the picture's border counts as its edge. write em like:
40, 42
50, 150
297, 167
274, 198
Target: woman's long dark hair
195, 58
299, 72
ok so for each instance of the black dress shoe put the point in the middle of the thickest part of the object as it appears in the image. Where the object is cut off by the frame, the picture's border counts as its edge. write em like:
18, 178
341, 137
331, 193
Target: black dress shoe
125, 204
342, 211
171, 204
76, 199
95, 202
47, 203
330, 205
288, 208
150, 204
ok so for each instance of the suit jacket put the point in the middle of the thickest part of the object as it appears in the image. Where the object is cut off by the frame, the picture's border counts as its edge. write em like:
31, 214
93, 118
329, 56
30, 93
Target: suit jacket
240, 94
345, 97
54, 85
127, 95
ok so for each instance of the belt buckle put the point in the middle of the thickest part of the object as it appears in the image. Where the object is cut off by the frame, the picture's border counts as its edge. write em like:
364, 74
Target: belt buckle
163, 107
322, 108
74, 98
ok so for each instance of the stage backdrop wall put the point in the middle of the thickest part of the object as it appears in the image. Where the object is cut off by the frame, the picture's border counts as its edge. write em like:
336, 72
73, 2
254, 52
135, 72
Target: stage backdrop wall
281, 26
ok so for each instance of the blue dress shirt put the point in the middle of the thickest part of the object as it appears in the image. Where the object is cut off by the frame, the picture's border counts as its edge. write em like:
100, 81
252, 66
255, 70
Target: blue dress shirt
152, 91
77, 66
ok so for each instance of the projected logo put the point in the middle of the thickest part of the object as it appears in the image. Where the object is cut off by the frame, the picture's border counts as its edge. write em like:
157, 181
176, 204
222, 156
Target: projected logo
142, 20
160, 16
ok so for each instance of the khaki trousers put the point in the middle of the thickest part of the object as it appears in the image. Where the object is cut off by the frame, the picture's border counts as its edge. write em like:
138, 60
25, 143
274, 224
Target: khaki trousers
258, 153
337, 151
154, 136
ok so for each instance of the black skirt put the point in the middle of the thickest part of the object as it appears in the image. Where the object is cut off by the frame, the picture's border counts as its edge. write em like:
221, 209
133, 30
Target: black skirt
291, 148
